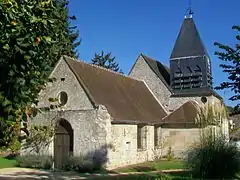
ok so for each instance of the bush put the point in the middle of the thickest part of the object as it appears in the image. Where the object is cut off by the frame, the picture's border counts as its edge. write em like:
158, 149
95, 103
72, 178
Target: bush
214, 158
35, 161
11, 156
170, 155
80, 165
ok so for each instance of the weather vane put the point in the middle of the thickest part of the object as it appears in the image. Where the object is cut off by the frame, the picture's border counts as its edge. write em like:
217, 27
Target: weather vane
189, 12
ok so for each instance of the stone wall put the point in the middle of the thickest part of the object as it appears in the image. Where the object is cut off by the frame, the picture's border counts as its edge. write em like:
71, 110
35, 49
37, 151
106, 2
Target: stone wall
179, 140
65, 81
125, 151
142, 71
89, 129
90, 125
176, 102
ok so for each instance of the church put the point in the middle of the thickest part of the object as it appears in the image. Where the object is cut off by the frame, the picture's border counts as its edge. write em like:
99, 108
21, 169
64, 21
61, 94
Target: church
117, 119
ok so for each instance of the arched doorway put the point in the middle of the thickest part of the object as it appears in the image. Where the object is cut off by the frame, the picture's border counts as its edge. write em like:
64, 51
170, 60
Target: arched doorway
63, 143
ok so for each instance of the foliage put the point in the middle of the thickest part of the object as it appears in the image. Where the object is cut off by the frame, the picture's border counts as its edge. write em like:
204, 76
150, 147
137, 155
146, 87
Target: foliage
93, 161
9, 136
106, 61
170, 154
72, 36
214, 159
34, 34
144, 176
35, 161
231, 65
39, 138
211, 115
157, 165
79, 164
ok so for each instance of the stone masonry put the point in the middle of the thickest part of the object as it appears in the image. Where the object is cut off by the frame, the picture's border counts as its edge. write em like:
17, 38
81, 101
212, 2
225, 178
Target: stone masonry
142, 71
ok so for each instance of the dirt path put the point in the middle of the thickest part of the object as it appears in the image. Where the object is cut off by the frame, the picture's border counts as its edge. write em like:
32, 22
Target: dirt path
34, 174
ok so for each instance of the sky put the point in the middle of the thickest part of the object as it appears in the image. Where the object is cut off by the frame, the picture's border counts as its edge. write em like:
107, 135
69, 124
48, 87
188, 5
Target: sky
127, 28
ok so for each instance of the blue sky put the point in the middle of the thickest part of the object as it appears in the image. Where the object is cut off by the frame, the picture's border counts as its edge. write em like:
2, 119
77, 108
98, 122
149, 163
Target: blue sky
130, 27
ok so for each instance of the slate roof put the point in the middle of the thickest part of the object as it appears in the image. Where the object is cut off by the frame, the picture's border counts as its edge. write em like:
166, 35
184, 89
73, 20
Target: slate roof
124, 97
162, 71
188, 41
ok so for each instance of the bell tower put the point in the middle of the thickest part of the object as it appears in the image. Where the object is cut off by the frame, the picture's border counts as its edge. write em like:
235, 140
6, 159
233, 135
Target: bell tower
190, 66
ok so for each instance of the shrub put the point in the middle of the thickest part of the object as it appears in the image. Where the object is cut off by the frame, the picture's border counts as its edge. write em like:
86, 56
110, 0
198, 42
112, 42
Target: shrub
35, 161
79, 164
214, 158
170, 155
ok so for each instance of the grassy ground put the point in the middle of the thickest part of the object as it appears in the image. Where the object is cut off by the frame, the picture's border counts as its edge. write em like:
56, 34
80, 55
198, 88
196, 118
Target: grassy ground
146, 176
7, 163
144, 167
152, 166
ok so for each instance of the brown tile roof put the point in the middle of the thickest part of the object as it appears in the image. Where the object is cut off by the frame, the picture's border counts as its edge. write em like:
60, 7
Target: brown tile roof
162, 71
124, 97
187, 113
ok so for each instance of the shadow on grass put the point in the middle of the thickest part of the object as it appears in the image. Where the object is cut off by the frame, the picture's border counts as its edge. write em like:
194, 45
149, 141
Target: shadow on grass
144, 169
12, 156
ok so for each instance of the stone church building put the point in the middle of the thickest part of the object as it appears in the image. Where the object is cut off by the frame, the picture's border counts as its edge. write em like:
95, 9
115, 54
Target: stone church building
120, 119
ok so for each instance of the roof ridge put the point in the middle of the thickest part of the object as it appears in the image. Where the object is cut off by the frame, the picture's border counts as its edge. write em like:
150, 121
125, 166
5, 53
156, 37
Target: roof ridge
162, 78
100, 67
194, 104
154, 60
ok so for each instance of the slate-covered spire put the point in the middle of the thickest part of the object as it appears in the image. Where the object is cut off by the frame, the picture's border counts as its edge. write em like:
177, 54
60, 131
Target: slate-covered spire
190, 66
188, 42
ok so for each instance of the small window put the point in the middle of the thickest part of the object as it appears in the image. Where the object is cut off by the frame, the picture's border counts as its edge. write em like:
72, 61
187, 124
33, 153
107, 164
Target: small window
62, 98
204, 99
157, 136
141, 137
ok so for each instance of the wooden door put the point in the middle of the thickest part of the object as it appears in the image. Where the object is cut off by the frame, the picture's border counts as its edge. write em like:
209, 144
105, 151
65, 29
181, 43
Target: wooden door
61, 147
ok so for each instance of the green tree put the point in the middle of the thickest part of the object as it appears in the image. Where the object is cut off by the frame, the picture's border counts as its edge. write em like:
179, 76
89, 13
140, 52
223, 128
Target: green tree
231, 65
106, 61
33, 36
73, 41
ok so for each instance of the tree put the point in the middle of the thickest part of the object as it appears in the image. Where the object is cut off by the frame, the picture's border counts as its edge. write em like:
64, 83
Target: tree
106, 61
231, 65
72, 33
33, 36
39, 139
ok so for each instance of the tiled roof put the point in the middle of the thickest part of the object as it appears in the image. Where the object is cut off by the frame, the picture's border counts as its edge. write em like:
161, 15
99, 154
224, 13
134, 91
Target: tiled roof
124, 97
186, 113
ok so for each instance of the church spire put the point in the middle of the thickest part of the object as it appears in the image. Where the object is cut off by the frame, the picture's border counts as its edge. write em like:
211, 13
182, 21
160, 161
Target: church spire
188, 42
190, 66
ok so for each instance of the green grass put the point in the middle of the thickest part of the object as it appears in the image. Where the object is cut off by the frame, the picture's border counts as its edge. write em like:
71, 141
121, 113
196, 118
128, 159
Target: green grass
7, 163
146, 176
152, 166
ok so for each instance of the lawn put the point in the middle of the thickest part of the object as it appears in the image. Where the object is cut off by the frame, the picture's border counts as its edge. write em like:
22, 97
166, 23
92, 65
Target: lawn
146, 176
7, 163
152, 166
